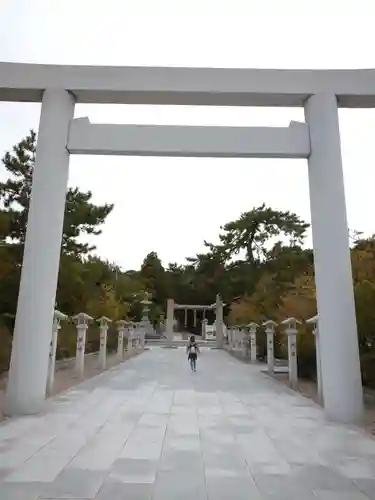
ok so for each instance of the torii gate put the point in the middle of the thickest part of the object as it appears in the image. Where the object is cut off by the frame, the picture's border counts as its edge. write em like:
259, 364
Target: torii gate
217, 307
195, 309
320, 92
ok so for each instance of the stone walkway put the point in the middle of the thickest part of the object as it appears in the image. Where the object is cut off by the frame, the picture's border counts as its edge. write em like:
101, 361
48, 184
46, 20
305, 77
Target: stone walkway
66, 376
151, 429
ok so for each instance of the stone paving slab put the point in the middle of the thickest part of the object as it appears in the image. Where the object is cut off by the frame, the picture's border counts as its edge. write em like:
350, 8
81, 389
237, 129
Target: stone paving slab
150, 429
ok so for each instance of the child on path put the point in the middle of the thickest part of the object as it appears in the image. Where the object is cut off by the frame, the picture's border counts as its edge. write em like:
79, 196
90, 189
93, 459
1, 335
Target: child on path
192, 349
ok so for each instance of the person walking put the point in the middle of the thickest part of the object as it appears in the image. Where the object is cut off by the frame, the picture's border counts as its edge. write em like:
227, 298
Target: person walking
192, 349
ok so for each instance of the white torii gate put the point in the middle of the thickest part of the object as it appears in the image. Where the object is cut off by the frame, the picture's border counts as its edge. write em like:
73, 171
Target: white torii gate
320, 92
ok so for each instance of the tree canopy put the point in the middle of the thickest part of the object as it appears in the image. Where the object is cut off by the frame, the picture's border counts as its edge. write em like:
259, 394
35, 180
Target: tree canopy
81, 216
260, 266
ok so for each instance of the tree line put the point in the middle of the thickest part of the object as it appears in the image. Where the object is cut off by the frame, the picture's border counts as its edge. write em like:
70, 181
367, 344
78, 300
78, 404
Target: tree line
260, 266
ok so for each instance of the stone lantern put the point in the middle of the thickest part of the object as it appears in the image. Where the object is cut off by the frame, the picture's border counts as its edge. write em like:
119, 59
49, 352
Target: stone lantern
230, 337
204, 324
315, 322
270, 333
253, 340
57, 318
291, 331
82, 321
131, 333
103, 327
120, 338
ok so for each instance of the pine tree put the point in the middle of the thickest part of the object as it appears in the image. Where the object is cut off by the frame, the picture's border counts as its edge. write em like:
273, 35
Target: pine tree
81, 216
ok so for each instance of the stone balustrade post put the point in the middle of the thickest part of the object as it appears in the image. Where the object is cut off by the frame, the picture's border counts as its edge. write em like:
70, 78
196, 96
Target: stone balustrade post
103, 327
140, 331
131, 335
315, 322
131, 331
57, 318
239, 342
238, 332
243, 340
229, 337
232, 337
291, 331
162, 323
82, 321
235, 335
239, 338
270, 333
134, 332
142, 336
253, 341
246, 348
246, 342
204, 324
120, 338
219, 322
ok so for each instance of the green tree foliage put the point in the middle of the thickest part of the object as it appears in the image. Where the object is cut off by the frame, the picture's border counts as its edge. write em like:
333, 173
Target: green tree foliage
153, 276
81, 216
86, 283
260, 266
252, 232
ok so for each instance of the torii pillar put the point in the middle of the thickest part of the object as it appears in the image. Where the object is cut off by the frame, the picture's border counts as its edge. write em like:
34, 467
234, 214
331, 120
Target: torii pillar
169, 323
341, 375
36, 299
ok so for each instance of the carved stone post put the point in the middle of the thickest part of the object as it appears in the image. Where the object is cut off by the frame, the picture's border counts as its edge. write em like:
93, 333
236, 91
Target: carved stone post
291, 331
229, 333
253, 341
270, 332
131, 331
57, 318
245, 342
169, 323
120, 339
134, 331
204, 324
219, 322
82, 320
242, 340
104, 323
162, 324
237, 337
246, 333
315, 322
231, 337
142, 335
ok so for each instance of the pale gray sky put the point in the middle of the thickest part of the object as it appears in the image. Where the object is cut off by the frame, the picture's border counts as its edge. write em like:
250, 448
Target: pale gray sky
171, 205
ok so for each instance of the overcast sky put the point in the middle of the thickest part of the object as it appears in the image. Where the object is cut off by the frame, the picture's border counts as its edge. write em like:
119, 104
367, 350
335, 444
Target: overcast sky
170, 205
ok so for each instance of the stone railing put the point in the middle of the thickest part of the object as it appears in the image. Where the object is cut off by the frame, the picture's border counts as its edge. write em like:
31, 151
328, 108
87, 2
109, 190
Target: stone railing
208, 332
133, 332
242, 343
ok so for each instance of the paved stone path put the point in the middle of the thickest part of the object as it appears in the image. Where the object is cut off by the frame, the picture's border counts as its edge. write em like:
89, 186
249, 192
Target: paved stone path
151, 429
